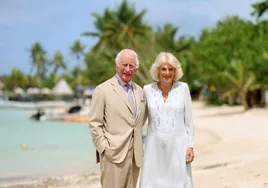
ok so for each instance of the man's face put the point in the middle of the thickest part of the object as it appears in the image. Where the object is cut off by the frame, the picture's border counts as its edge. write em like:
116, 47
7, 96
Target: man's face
127, 67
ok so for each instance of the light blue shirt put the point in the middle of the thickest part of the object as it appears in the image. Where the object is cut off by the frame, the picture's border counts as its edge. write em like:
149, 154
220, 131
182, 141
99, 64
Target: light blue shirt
123, 84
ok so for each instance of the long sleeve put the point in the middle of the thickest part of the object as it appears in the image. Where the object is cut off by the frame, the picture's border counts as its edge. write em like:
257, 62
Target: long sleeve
145, 120
188, 117
96, 120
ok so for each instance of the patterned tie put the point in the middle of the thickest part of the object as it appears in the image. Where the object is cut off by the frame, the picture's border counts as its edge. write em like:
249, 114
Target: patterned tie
130, 98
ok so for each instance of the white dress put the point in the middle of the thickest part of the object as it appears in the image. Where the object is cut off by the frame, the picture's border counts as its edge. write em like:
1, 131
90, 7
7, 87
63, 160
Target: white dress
170, 133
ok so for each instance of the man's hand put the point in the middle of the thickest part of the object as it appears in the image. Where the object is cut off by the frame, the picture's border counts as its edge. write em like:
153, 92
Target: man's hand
102, 154
189, 155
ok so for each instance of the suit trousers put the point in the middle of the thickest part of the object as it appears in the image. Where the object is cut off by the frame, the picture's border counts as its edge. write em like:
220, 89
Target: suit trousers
120, 175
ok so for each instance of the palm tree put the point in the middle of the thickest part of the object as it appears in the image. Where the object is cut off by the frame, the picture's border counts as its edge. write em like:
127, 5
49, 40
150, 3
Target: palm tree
58, 62
260, 8
77, 74
16, 79
241, 82
2, 85
120, 28
77, 49
38, 59
165, 37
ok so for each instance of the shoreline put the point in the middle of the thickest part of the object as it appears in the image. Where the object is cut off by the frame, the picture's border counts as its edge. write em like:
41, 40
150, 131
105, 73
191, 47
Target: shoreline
68, 175
230, 152
68, 181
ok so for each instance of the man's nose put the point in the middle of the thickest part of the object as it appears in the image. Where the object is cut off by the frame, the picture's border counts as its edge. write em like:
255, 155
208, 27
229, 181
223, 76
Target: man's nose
128, 68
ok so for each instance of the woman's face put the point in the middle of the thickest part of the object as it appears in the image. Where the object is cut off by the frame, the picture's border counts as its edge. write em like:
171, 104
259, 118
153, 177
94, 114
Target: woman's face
166, 73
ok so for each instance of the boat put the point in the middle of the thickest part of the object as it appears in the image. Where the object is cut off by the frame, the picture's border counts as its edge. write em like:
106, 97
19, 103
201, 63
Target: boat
74, 113
75, 118
81, 115
48, 114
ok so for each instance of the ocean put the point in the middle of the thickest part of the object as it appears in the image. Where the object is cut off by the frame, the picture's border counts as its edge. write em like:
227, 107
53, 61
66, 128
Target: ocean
31, 149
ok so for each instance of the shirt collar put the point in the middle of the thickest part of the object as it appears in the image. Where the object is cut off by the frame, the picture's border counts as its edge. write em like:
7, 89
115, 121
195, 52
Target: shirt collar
122, 83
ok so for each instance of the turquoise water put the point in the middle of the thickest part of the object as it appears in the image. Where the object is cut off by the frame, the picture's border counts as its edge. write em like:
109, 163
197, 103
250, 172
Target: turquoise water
54, 148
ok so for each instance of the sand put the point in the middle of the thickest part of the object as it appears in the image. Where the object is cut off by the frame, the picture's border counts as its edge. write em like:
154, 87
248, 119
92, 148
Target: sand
231, 148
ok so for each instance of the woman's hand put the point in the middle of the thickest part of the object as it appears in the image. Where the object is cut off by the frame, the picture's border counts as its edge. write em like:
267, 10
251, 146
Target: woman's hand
189, 155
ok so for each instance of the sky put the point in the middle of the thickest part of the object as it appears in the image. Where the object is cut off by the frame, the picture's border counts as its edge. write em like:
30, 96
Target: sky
57, 23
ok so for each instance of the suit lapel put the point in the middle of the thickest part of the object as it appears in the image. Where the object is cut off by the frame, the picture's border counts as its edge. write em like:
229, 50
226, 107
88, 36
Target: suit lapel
120, 91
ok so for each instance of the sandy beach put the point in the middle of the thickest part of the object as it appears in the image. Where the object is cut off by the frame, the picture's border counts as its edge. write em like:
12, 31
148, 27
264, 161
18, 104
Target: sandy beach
231, 148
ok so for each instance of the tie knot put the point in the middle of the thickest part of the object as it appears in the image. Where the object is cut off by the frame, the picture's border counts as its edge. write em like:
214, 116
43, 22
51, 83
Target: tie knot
128, 86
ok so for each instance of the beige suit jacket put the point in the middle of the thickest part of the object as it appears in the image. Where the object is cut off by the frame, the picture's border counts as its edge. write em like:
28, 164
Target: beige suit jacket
112, 122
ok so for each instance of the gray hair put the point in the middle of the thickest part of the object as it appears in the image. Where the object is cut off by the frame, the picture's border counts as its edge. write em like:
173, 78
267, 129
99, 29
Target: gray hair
129, 52
166, 57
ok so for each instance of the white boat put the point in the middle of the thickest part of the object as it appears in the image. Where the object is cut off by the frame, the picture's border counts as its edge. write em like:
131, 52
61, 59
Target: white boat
49, 114
60, 113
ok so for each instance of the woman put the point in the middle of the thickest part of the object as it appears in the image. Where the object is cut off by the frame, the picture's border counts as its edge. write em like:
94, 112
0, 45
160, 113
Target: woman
169, 141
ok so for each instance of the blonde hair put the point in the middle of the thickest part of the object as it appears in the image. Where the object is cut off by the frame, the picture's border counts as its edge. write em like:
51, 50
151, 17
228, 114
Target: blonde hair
166, 57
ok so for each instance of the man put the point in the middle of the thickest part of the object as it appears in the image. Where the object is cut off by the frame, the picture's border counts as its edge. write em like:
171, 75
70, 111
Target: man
117, 114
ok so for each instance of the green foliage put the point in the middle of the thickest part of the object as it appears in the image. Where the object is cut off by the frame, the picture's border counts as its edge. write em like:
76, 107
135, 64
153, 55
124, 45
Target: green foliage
240, 81
232, 38
207, 60
260, 8
16, 79
119, 28
38, 59
77, 49
58, 62
99, 68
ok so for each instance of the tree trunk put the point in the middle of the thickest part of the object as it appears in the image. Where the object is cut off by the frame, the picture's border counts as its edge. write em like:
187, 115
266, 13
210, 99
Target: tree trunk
244, 100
